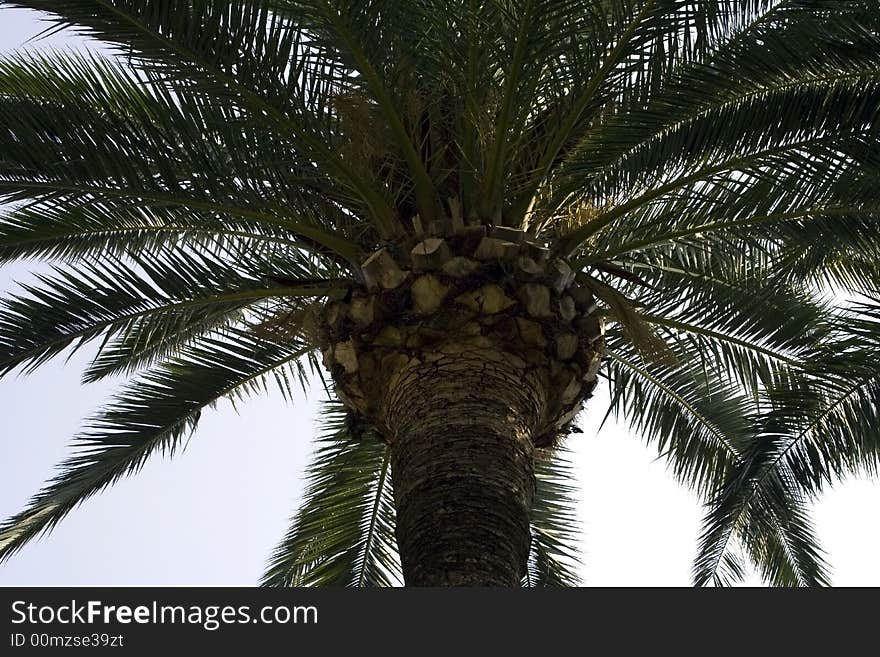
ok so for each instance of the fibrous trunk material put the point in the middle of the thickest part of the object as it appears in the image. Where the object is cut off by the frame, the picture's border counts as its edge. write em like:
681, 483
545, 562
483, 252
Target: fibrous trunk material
466, 352
462, 464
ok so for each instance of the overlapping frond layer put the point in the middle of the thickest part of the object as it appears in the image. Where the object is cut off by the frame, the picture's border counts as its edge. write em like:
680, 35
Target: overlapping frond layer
710, 168
814, 436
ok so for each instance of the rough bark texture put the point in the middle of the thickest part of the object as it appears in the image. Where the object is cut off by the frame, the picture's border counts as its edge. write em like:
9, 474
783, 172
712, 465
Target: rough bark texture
463, 468
465, 352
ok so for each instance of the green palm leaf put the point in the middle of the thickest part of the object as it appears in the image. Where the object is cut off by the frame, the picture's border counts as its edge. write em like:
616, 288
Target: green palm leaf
814, 437
155, 145
153, 414
555, 526
343, 533
181, 293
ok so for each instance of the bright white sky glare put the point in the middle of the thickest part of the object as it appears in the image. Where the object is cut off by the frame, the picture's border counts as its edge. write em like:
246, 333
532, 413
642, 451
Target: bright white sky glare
213, 514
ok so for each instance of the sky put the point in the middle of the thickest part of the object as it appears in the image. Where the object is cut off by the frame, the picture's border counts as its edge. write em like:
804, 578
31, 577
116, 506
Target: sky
213, 514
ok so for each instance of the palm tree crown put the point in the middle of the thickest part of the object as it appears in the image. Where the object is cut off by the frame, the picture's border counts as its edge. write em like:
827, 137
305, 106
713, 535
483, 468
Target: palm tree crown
698, 175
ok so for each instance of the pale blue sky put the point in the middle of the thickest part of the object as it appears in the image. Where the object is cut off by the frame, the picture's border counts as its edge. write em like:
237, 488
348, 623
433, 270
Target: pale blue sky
213, 514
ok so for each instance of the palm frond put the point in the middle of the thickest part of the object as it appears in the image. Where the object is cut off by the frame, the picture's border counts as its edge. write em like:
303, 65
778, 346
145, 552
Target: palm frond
709, 119
245, 55
153, 414
777, 534
70, 231
554, 557
141, 300
697, 423
813, 436
343, 532
741, 320
799, 67
85, 128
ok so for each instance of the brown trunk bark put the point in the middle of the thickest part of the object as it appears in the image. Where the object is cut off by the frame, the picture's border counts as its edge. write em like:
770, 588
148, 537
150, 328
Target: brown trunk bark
462, 467
465, 356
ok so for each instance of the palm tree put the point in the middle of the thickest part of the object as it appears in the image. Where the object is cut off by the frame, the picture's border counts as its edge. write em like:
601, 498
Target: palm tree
446, 203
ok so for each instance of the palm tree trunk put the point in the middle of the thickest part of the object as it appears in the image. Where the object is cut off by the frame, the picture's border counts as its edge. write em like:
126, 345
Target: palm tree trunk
462, 467
464, 365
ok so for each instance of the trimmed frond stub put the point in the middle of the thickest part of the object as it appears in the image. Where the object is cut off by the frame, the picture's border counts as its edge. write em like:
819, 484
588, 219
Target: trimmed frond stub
474, 296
